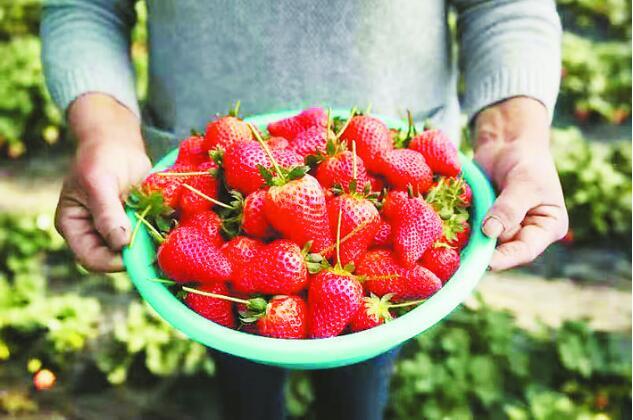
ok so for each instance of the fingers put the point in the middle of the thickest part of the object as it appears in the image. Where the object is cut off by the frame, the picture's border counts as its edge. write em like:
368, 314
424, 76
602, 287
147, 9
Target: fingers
74, 223
528, 242
509, 210
110, 219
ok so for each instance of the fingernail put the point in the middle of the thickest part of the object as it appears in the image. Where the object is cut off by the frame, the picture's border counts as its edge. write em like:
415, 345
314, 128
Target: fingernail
493, 227
118, 237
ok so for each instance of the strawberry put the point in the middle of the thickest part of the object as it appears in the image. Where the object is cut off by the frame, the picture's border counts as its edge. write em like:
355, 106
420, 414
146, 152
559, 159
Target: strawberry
373, 312
192, 151
241, 163
372, 139
207, 222
383, 237
415, 228
277, 143
394, 203
214, 309
466, 197
404, 168
192, 201
188, 255
254, 222
450, 196
443, 261
297, 209
358, 215
438, 151
169, 187
456, 237
338, 169
377, 183
284, 317
277, 268
334, 297
311, 141
240, 251
290, 127
226, 131
382, 274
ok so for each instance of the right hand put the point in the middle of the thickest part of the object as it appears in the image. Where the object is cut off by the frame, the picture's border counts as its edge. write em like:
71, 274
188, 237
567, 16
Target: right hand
110, 158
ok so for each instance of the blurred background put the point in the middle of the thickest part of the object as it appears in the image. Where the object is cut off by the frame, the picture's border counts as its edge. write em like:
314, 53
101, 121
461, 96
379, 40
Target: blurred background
547, 341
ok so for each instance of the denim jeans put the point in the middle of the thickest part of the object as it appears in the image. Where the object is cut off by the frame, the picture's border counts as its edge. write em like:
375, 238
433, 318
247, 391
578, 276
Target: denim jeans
253, 391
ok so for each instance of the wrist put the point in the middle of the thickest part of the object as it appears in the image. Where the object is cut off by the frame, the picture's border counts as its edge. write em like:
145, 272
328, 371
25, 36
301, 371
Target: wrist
99, 118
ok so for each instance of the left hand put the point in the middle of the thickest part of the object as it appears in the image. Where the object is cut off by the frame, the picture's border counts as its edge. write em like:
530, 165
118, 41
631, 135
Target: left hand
512, 146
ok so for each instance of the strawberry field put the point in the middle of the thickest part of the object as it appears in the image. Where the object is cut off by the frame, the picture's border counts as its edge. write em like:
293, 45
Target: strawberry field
110, 354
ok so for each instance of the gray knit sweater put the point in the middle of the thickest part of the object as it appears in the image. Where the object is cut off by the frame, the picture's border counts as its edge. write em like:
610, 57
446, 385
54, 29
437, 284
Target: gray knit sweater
281, 54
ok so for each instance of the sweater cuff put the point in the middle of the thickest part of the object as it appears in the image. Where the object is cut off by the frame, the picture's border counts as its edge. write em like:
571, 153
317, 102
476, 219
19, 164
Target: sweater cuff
535, 82
74, 83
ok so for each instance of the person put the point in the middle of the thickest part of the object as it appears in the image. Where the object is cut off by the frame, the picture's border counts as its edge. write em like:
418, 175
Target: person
397, 55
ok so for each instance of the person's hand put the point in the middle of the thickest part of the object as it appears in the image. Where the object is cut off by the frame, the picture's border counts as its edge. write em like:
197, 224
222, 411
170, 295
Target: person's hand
512, 146
110, 158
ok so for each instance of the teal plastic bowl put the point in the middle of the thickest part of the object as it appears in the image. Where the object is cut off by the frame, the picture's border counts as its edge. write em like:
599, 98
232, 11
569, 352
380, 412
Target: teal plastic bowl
327, 352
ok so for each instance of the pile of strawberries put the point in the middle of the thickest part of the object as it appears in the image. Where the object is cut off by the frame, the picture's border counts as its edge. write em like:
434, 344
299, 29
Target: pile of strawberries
318, 227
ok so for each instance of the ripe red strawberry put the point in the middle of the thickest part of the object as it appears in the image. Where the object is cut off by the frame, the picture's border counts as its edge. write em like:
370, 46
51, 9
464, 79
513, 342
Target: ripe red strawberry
311, 141
467, 196
277, 143
438, 151
333, 299
373, 312
395, 201
217, 310
241, 163
372, 139
384, 275
383, 237
240, 252
226, 131
357, 213
188, 255
290, 127
254, 220
404, 168
192, 151
339, 170
167, 187
277, 268
443, 261
207, 222
297, 209
415, 228
285, 317
192, 202
459, 236
376, 182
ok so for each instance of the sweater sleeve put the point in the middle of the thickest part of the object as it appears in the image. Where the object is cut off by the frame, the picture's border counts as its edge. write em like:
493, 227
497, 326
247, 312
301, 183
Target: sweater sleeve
508, 48
86, 48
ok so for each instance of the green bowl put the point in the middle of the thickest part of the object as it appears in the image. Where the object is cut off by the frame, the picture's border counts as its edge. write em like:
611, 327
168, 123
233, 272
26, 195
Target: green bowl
327, 352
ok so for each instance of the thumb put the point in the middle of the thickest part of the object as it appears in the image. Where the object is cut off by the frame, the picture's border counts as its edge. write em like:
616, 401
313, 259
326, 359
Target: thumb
509, 209
107, 211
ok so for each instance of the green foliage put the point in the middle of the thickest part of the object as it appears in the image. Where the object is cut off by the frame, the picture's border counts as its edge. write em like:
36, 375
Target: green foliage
596, 78
596, 179
478, 364
166, 351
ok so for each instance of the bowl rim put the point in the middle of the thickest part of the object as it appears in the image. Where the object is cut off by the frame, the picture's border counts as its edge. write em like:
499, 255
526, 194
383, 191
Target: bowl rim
325, 352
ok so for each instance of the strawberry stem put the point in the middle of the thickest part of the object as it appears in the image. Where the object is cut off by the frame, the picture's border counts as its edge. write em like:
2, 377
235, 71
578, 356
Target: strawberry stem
352, 112
138, 224
236, 109
164, 281
266, 149
368, 110
354, 164
405, 304
346, 237
338, 237
206, 197
215, 295
381, 277
155, 233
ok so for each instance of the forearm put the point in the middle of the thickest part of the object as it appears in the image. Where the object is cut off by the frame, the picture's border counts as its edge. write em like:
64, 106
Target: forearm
86, 48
